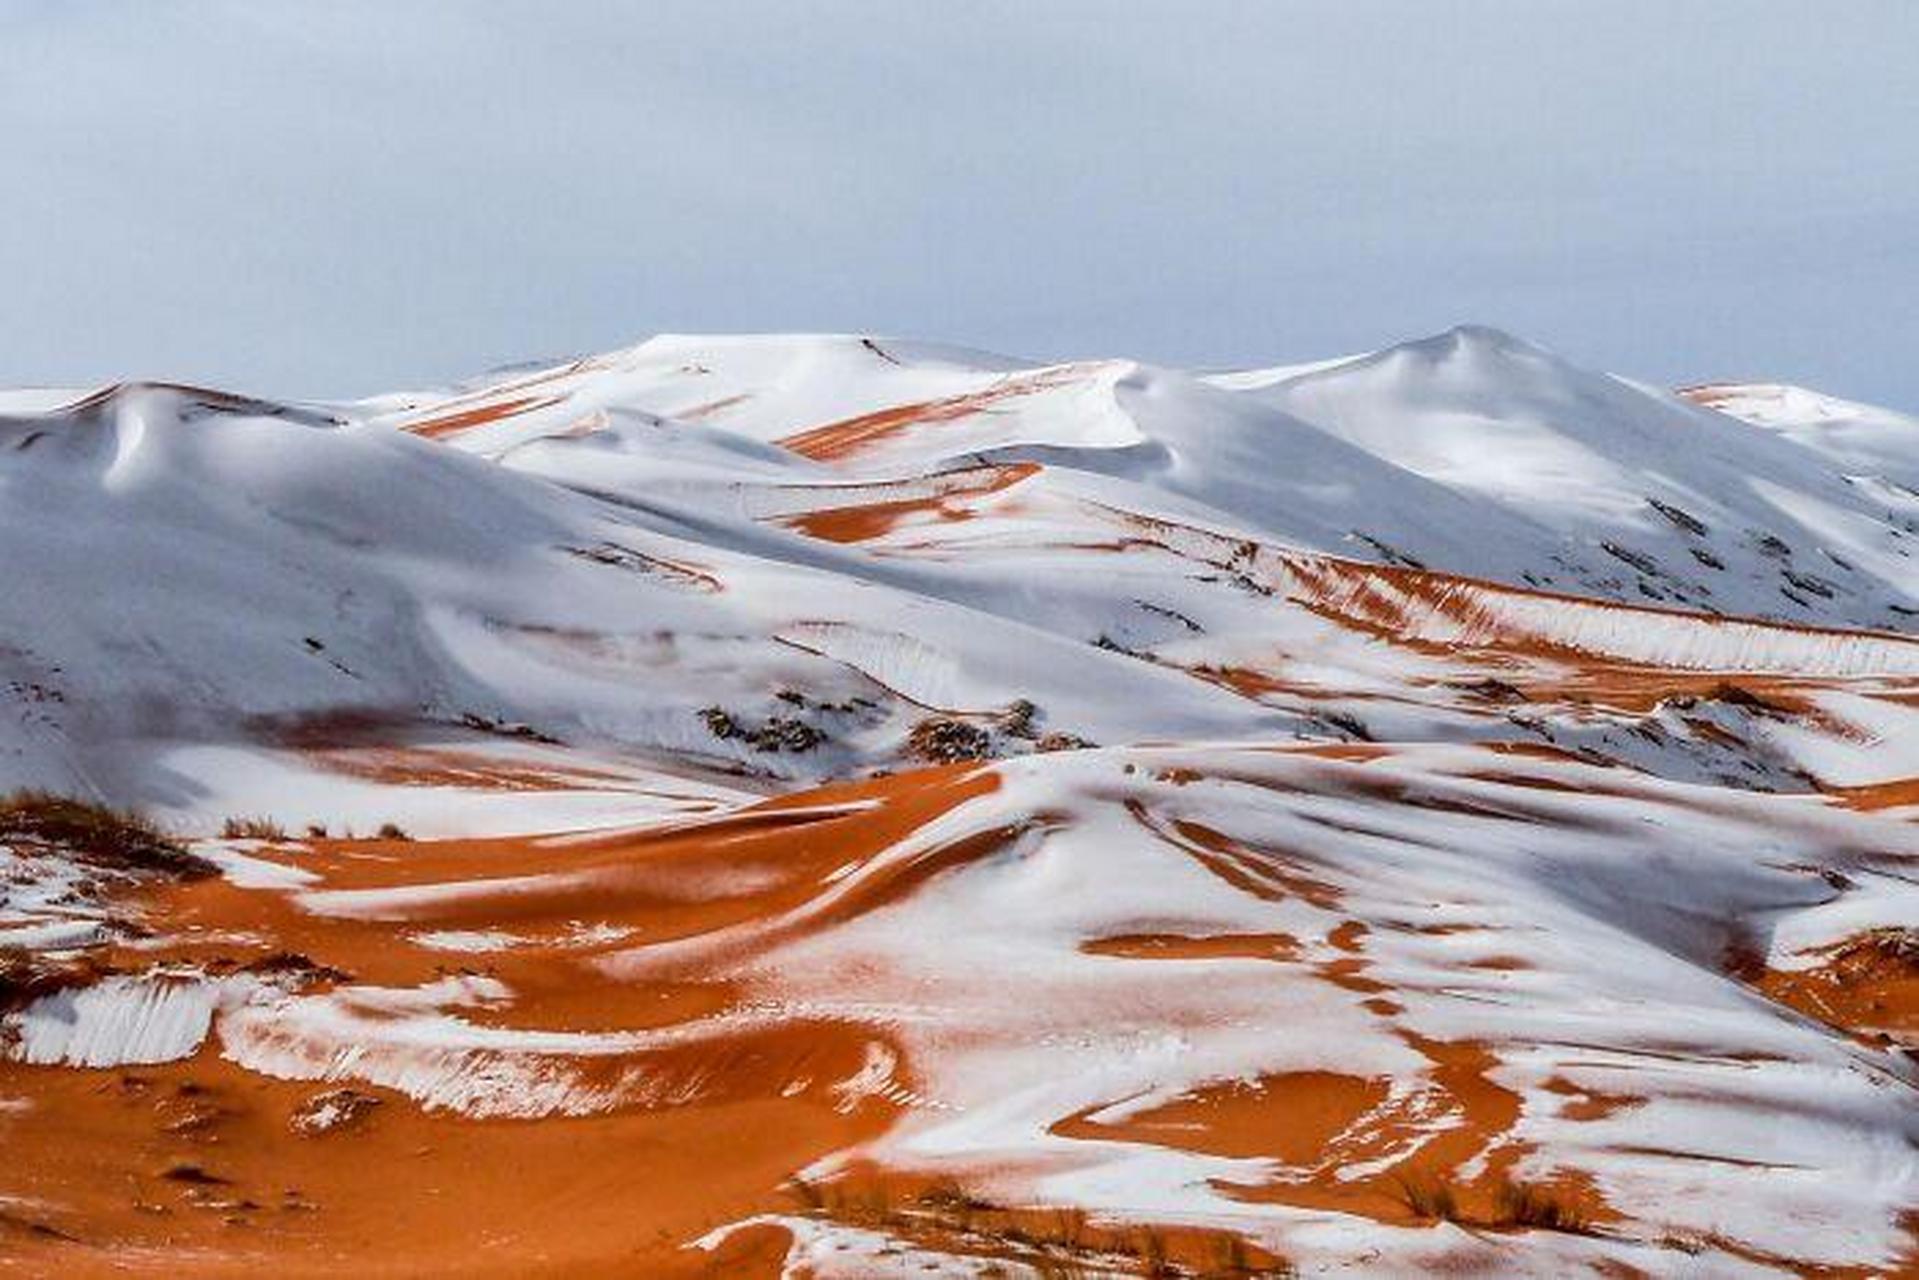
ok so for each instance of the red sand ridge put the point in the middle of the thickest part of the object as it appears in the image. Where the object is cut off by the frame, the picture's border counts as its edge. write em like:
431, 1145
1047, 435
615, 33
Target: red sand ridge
851, 436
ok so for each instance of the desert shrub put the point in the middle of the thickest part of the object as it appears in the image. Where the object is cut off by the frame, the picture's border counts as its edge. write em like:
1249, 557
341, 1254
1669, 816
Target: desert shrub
1347, 723
945, 740
947, 1193
1429, 1198
809, 1196
238, 828
295, 965
1152, 1253
1230, 1256
1514, 1204
782, 733
392, 831
1894, 944
1069, 1226
26, 976
101, 836
948, 1202
1525, 1204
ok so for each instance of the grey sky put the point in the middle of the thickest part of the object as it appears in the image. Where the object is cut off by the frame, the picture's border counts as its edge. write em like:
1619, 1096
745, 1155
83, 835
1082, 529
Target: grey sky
346, 197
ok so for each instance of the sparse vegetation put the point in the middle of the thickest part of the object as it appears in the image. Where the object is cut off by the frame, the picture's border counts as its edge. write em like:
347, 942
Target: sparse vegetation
1392, 554
1679, 516
1897, 944
1058, 1242
1732, 695
1526, 1204
1106, 642
297, 965
946, 740
1230, 1257
25, 976
1348, 724
392, 831
1152, 1252
507, 729
1637, 559
953, 1202
808, 1194
780, 733
1514, 1205
1069, 1226
1019, 718
1706, 558
96, 834
115, 843
252, 829
1812, 584
1429, 1198
1171, 614
783, 733
1492, 689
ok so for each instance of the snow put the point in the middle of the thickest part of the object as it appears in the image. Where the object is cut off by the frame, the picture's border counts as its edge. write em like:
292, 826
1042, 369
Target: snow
1470, 672
509, 788
45, 903
116, 1021
1863, 439
600, 570
470, 941
241, 868
831, 1251
1618, 900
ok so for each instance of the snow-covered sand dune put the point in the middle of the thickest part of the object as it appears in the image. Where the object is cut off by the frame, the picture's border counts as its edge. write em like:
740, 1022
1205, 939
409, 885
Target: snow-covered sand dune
879, 808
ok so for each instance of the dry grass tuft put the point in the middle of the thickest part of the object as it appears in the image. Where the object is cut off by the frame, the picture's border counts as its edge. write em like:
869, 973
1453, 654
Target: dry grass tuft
252, 829
100, 836
1429, 1198
25, 976
1522, 1205
1525, 1204
1059, 1243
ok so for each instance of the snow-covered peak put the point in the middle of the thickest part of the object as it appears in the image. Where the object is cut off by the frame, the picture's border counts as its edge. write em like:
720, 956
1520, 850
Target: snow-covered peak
1861, 439
1472, 450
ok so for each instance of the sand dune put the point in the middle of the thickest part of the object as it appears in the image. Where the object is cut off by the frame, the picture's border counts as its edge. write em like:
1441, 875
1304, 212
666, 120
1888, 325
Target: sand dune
831, 806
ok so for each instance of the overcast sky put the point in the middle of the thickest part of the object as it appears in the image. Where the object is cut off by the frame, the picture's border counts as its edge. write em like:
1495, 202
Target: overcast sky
338, 198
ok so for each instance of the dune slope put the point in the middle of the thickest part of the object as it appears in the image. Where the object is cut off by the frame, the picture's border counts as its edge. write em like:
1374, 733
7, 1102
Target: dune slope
831, 806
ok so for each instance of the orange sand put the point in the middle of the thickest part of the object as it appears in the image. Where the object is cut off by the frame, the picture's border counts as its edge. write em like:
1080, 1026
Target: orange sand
851, 436
195, 1166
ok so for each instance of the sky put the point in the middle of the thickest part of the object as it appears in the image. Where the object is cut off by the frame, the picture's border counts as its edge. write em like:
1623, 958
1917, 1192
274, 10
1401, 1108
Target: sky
305, 199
